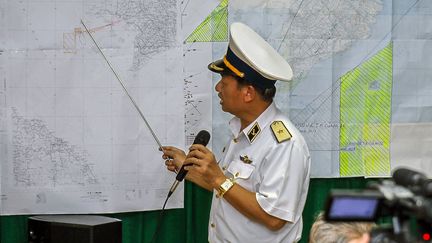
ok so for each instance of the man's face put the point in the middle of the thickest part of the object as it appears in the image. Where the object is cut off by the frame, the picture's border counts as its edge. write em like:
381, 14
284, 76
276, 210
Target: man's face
230, 94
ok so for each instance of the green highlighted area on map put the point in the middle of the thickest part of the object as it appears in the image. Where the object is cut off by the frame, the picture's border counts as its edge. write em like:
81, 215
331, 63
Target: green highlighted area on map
365, 113
214, 28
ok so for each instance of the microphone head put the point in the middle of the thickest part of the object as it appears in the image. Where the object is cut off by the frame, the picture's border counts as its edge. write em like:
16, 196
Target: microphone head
427, 188
203, 137
416, 181
407, 177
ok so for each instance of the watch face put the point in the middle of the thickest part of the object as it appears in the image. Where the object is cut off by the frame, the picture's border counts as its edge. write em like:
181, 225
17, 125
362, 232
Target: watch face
226, 185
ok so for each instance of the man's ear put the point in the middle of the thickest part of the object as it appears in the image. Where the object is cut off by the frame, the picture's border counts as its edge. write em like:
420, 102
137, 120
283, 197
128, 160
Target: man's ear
249, 93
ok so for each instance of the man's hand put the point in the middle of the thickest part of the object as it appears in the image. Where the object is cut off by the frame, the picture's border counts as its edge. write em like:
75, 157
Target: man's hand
174, 158
203, 168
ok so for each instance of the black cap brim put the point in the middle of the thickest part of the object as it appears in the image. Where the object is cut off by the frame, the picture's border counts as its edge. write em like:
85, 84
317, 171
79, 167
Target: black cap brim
217, 66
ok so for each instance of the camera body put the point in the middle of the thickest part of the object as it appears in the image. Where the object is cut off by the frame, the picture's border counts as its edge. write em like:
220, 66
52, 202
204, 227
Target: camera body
406, 202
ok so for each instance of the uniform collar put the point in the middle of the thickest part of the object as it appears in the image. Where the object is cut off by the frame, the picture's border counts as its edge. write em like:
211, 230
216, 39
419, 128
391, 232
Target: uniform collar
253, 130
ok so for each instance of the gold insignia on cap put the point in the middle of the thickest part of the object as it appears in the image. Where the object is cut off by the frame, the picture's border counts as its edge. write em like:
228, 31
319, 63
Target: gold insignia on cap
280, 131
232, 68
216, 68
253, 132
245, 159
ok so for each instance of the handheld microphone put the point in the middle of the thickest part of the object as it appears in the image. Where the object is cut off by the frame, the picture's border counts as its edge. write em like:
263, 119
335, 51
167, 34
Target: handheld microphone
203, 137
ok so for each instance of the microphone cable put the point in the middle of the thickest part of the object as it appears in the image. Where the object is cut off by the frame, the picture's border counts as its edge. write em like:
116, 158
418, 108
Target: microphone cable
203, 137
159, 220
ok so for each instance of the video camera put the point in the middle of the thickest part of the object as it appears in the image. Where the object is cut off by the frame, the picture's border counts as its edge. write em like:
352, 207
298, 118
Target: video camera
406, 200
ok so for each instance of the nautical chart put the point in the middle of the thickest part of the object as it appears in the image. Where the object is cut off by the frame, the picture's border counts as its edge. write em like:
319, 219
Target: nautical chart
71, 142
361, 92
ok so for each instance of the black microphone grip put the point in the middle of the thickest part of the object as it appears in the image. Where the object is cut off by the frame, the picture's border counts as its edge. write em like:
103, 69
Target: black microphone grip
181, 174
203, 137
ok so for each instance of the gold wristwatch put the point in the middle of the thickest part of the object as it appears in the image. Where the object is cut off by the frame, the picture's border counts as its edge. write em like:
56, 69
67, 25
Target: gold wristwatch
224, 187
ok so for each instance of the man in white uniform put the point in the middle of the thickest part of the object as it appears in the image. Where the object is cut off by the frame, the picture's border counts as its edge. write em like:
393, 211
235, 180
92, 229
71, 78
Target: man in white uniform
262, 179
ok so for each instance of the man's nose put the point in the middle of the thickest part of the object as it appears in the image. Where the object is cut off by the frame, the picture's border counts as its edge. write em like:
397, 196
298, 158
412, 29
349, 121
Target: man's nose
217, 86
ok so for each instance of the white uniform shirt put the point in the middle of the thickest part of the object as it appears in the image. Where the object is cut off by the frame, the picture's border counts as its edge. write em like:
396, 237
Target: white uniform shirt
277, 172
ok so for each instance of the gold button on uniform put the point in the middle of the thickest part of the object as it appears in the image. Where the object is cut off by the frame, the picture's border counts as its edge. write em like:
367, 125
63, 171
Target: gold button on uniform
212, 225
235, 140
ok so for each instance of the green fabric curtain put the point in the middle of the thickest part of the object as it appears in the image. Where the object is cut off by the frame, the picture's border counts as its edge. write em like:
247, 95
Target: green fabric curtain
189, 224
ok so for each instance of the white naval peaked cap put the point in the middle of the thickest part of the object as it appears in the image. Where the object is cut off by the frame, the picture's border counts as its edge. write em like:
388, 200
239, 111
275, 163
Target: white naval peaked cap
249, 56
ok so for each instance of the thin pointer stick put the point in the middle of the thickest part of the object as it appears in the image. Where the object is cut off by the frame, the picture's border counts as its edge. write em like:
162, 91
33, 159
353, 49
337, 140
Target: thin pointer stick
124, 88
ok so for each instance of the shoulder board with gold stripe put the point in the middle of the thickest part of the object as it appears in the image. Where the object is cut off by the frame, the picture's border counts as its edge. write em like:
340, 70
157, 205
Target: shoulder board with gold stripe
280, 131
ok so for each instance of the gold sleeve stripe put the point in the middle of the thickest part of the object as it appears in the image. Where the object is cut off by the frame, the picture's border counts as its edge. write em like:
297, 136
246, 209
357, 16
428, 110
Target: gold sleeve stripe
232, 68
